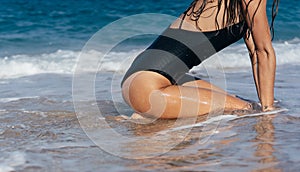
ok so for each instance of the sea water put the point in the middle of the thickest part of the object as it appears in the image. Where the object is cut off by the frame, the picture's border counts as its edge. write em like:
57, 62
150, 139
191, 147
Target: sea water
40, 46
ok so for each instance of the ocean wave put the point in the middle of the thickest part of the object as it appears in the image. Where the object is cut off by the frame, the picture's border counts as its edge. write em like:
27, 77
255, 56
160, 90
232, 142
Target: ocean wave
61, 61
236, 57
10, 99
65, 61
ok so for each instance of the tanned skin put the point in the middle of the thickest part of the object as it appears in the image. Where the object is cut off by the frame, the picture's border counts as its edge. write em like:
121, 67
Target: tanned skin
152, 95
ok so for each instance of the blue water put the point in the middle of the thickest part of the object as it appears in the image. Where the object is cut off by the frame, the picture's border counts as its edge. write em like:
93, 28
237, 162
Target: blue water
40, 44
45, 26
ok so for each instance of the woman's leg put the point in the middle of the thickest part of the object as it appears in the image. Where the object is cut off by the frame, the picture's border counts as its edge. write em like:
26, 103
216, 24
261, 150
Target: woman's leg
204, 84
152, 95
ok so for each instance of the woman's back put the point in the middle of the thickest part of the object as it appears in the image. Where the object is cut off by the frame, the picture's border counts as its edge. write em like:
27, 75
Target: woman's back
203, 15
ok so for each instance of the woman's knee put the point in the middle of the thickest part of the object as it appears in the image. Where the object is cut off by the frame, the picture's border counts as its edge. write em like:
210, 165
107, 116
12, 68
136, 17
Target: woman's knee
142, 91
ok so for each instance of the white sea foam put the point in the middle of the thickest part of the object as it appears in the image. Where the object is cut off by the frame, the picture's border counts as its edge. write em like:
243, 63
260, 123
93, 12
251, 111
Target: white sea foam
9, 162
22, 65
10, 99
236, 57
65, 61
222, 118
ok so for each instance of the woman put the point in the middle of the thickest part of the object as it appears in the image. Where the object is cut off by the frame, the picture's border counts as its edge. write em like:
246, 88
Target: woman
156, 85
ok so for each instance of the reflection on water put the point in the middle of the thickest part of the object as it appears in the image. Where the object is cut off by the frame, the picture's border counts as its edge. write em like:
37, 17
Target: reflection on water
265, 140
244, 144
190, 155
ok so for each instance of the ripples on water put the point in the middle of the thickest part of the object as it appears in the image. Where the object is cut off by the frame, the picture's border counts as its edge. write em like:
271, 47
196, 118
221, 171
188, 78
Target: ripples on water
39, 131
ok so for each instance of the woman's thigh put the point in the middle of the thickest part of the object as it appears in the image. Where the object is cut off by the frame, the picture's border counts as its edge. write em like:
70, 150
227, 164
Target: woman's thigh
139, 88
153, 95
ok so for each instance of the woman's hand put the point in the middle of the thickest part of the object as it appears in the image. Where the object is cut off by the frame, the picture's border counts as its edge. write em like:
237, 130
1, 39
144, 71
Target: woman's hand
268, 108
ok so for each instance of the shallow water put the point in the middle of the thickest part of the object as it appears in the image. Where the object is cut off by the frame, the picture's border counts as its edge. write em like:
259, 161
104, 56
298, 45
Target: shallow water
40, 42
39, 131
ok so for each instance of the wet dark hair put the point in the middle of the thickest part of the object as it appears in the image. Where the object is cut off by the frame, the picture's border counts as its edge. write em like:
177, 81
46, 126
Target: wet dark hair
274, 14
233, 11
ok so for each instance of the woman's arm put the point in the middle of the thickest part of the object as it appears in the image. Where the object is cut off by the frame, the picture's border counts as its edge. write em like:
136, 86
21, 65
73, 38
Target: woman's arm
256, 19
252, 54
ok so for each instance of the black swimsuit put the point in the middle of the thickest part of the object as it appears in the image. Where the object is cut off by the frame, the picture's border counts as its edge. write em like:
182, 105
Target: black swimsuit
176, 51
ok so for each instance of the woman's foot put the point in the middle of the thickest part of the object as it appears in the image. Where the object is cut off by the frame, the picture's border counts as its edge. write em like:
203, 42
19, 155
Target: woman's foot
136, 116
